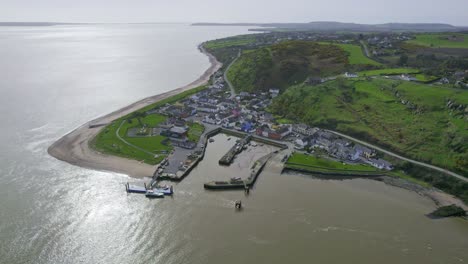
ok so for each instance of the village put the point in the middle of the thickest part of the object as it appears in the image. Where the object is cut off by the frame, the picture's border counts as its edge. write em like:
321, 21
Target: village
216, 107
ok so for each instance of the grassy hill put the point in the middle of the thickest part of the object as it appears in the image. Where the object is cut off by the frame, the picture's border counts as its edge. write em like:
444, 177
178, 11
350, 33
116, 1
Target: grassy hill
285, 64
427, 123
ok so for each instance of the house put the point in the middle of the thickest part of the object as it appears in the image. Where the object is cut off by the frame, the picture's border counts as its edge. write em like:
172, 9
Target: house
230, 122
166, 124
304, 129
301, 143
381, 164
350, 75
207, 108
363, 151
210, 119
180, 111
274, 92
354, 154
175, 132
277, 134
247, 126
314, 80
444, 80
339, 151
323, 143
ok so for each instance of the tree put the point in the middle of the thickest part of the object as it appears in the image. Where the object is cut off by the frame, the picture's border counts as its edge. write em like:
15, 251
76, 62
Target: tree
403, 59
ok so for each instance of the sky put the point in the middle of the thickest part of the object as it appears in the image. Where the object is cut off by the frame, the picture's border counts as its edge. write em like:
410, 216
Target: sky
453, 12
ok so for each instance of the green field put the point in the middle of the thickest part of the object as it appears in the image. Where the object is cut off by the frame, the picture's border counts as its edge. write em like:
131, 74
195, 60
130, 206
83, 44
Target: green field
391, 71
425, 78
230, 42
311, 162
355, 54
107, 141
423, 128
442, 40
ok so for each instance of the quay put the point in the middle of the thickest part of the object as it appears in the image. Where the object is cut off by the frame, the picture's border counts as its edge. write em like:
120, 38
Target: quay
236, 149
237, 183
162, 174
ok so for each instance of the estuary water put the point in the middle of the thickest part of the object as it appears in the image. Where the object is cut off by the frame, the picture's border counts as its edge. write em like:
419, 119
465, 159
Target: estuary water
56, 78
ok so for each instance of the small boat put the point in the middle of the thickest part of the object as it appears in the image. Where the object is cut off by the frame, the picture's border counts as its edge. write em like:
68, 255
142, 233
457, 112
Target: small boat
154, 194
166, 190
229, 138
236, 179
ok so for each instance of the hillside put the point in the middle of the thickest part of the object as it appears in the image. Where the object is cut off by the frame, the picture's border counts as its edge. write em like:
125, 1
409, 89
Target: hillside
285, 64
346, 27
427, 123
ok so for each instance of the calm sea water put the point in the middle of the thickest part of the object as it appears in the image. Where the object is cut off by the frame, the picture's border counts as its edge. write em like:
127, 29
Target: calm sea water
56, 78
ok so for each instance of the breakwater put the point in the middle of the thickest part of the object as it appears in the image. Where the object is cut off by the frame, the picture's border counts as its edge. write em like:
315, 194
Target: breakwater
333, 172
236, 149
238, 183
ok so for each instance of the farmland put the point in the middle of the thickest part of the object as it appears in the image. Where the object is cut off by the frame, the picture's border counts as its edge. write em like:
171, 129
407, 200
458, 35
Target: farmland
355, 54
443, 40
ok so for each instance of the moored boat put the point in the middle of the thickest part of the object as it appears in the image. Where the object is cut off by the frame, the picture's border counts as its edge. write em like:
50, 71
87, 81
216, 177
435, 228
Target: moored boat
154, 194
166, 190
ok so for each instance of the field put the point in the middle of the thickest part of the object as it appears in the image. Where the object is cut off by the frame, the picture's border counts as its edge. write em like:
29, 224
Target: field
148, 149
356, 56
445, 40
424, 78
230, 42
311, 162
108, 142
406, 117
391, 71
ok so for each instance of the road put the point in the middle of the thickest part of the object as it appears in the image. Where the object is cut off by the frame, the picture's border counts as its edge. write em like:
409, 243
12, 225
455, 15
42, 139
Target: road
231, 87
458, 176
366, 50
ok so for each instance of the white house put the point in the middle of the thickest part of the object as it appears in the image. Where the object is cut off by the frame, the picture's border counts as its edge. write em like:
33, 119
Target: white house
381, 164
350, 75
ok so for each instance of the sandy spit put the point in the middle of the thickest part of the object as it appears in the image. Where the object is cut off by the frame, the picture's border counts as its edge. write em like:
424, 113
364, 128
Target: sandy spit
74, 147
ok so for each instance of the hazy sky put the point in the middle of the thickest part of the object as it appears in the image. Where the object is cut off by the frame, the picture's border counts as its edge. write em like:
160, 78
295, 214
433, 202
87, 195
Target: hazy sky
359, 11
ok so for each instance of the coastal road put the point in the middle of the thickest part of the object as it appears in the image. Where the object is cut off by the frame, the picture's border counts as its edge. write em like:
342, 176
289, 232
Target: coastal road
233, 92
458, 176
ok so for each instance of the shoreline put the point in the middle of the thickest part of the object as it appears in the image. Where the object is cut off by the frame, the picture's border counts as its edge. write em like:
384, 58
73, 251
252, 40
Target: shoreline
74, 148
439, 197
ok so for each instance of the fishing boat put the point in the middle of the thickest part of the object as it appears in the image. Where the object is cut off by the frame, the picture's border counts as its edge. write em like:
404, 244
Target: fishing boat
166, 190
154, 194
